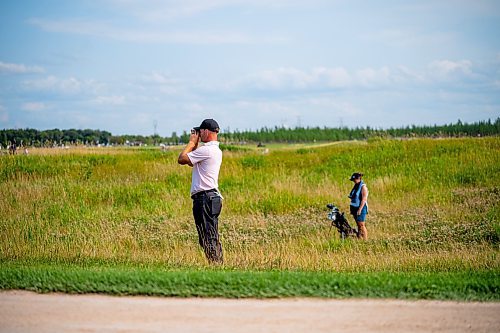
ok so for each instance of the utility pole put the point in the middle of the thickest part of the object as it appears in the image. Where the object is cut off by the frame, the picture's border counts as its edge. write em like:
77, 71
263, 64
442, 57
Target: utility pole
155, 133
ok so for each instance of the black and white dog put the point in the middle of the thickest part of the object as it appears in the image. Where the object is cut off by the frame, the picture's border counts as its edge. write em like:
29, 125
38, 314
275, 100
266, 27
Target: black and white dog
340, 222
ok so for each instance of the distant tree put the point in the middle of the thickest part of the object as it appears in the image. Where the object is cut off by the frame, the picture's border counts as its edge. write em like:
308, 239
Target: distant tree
174, 138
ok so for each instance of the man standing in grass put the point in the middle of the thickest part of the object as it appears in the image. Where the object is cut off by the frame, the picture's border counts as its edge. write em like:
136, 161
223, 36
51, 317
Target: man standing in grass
207, 201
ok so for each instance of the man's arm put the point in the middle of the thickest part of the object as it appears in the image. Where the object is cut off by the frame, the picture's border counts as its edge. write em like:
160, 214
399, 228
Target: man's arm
192, 145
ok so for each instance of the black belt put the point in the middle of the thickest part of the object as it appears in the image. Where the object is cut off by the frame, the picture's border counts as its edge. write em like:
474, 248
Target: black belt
201, 193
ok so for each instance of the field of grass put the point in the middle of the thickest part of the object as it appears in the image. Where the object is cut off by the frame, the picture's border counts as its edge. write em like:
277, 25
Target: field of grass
434, 209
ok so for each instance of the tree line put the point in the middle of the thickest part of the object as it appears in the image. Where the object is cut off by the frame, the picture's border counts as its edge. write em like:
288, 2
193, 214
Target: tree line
311, 134
35, 138
56, 137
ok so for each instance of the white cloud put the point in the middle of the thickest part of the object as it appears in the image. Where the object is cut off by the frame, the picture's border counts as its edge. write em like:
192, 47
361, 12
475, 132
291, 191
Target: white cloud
110, 100
447, 67
370, 76
19, 68
154, 10
403, 73
281, 78
407, 38
34, 106
333, 77
292, 78
321, 78
446, 72
296, 79
153, 35
165, 84
166, 10
160, 78
69, 85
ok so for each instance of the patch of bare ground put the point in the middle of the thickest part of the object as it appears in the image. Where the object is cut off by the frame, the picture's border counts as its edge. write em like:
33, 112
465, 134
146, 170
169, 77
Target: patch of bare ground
22, 311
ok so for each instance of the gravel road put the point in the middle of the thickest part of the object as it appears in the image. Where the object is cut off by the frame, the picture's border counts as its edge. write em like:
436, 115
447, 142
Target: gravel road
22, 311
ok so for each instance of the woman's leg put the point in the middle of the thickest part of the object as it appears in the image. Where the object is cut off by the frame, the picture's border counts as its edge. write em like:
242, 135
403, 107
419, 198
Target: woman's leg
362, 232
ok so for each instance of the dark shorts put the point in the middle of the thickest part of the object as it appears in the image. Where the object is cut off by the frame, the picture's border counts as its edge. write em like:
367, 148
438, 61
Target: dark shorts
361, 217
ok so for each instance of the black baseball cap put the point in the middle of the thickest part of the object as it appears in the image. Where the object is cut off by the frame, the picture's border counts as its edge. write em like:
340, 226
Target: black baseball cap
209, 124
356, 175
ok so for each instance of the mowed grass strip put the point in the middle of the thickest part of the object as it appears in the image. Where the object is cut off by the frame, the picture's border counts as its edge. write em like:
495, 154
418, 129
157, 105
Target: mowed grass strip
463, 286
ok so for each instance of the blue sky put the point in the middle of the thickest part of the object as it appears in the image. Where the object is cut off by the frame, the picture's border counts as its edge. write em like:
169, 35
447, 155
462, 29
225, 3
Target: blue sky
124, 65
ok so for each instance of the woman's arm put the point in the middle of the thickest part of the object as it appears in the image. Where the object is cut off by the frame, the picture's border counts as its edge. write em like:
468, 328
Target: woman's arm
364, 198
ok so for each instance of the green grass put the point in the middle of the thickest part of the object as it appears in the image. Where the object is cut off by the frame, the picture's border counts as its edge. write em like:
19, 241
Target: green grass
469, 286
434, 211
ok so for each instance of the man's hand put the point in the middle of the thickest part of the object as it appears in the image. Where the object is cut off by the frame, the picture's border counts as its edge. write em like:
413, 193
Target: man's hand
194, 138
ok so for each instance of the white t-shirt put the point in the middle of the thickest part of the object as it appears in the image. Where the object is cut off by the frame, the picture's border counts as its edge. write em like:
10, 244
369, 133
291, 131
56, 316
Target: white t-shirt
206, 161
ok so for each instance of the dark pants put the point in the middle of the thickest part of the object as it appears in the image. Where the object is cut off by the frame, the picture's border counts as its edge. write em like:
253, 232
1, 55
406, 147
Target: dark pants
206, 209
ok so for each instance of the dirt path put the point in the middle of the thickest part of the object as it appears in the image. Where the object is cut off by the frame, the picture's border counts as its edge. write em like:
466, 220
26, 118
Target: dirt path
22, 311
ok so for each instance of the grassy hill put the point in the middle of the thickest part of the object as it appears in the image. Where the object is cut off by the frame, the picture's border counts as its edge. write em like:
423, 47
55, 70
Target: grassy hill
434, 209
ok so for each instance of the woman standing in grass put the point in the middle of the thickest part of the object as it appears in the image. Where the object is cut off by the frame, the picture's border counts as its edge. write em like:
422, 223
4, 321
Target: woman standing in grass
359, 203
